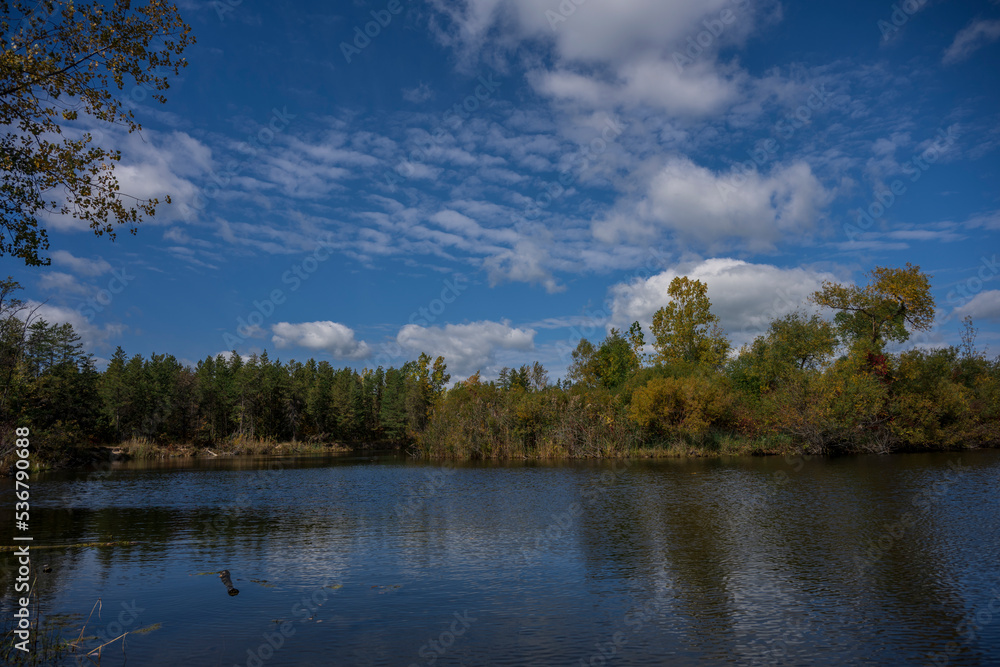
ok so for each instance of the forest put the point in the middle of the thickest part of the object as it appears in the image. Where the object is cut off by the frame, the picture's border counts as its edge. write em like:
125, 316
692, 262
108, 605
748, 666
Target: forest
808, 384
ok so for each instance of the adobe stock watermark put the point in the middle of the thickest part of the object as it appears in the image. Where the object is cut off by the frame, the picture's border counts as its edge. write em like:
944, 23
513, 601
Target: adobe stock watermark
253, 145
454, 117
633, 621
714, 27
778, 651
273, 641
120, 279
923, 502
599, 318
965, 290
784, 302
125, 619
900, 16
363, 37
225, 517
415, 501
914, 168
779, 479
968, 628
424, 316
563, 521
436, 647
581, 159
306, 608
223, 7
565, 9
140, 92
767, 150
263, 309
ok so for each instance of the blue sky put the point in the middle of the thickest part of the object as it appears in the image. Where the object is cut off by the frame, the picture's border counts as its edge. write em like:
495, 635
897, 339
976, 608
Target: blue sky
491, 179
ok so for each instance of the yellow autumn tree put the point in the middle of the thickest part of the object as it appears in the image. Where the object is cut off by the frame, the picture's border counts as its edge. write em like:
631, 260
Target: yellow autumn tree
685, 330
892, 304
63, 66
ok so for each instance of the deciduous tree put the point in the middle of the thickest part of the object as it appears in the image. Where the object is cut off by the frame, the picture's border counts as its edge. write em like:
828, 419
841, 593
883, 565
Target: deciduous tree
892, 304
686, 330
792, 344
62, 70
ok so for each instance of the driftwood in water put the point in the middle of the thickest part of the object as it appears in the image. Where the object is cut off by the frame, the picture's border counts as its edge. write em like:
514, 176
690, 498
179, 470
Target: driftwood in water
224, 575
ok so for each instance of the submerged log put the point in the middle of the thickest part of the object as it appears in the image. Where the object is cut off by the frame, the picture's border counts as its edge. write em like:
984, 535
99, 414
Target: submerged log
224, 575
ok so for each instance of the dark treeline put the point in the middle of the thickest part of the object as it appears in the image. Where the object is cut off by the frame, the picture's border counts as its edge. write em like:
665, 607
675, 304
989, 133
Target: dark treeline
50, 384
807, 384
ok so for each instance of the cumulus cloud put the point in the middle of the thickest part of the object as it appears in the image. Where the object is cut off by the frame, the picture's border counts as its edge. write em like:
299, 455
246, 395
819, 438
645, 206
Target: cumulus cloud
154, 165
746, 297
983, 306
466, 347
80, 265
629, 52
327, 336
91, 335
971, 38
699, 204
526, 262
160, 164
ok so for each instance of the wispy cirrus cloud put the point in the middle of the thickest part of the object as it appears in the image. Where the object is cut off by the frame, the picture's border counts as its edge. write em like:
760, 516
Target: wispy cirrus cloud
80, 265
970, 39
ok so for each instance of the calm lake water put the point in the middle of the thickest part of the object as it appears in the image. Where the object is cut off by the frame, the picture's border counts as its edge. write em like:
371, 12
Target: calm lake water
378, 560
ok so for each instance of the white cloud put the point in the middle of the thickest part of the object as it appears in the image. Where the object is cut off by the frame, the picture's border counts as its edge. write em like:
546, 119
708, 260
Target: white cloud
983, 306
698, 204
331, 337
228, 356
695, 90
631, 52
592, 31
419, 93
746, 297
331, 149
63, 283
80, 265
91, 335
466, 347
418, 170
990, 220
160, 164
154, 165
254, 331
971, 38
525, 262
454, 221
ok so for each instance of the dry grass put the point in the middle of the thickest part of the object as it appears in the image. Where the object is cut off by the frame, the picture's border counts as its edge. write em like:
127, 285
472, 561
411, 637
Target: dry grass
145, 449
712, 445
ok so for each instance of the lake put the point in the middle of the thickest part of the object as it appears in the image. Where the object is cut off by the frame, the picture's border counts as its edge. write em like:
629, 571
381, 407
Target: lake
380, 560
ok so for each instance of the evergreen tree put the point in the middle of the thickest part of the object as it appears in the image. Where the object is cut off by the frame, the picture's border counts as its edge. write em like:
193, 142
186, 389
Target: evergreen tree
113, 390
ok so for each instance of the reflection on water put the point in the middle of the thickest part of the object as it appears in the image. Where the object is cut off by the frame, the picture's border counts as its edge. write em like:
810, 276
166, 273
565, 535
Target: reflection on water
375, 560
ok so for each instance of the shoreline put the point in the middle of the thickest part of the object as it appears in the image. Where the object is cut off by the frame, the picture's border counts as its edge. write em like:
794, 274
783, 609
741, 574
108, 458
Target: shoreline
84, 458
